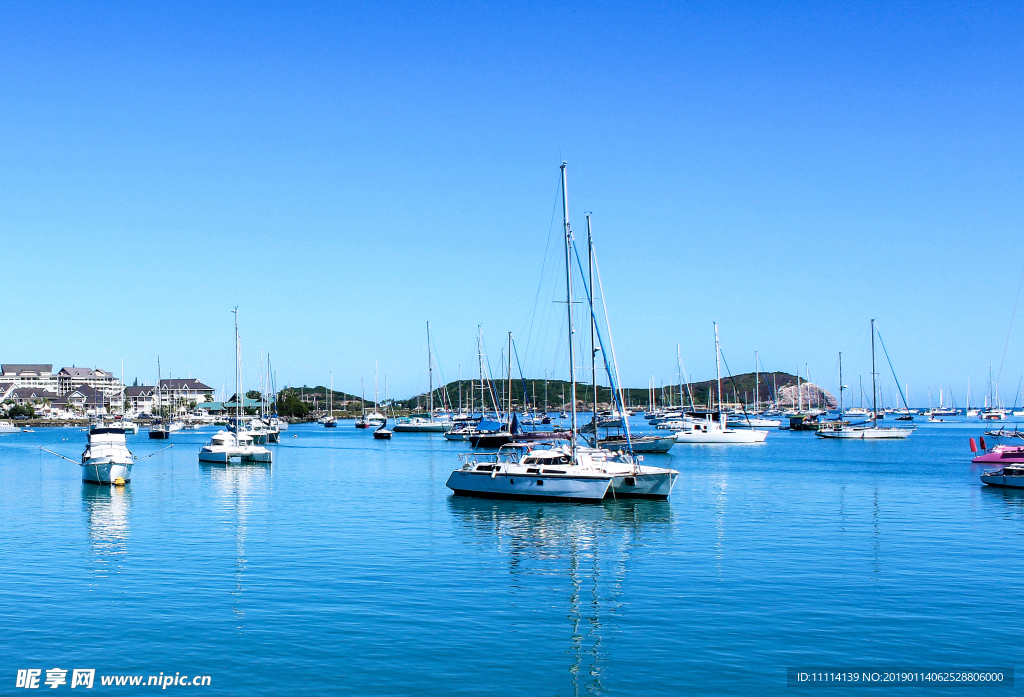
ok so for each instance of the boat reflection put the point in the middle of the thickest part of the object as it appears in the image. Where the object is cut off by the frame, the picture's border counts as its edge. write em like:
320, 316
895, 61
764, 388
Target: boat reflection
106, 508
236, 487
589, 546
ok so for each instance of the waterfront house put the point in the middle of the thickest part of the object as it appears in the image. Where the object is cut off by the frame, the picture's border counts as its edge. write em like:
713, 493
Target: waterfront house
30, 395
38, 376
70, 378
182, 391
141, 398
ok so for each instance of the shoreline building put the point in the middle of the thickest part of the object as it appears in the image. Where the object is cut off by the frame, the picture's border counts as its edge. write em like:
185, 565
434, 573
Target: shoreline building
71, 378
37, 376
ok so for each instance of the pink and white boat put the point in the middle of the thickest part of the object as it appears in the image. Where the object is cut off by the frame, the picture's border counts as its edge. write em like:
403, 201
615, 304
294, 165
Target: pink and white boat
1002, 455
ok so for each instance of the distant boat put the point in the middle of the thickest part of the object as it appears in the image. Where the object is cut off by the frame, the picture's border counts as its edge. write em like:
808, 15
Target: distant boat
418, 424
225, 446
8, 427
716, 430
839, 429
330, 421
639, 444
383, 432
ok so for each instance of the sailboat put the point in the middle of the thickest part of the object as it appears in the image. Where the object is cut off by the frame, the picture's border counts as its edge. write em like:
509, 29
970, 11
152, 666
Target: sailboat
417, 424
375, 418
236, 444
569, 472
330, 421
361, 421
992, 410
160, 428
710, 430
865, 431
383, 432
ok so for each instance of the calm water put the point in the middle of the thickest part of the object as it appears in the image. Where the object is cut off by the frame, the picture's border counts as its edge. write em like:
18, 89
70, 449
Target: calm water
348, 568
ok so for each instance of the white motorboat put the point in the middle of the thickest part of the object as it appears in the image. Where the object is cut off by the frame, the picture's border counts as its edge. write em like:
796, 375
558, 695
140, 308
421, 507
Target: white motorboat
106, 459
560, 473
1011, 476
225, 446
8, 427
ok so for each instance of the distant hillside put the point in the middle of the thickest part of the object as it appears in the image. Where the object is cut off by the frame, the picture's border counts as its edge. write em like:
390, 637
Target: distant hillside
736, 389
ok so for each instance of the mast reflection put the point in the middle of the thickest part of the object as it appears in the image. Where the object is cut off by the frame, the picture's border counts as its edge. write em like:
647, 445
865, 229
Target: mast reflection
237, 486
589, 545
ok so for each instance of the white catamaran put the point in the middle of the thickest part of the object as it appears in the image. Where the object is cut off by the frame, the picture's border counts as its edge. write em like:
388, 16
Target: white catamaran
568, 472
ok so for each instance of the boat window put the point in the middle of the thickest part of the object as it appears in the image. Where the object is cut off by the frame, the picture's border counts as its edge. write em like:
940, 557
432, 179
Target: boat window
530, 461
540, 482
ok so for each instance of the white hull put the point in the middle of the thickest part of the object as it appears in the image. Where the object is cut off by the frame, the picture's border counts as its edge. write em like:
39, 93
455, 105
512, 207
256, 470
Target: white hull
997, 479
642, 445
224, 455
533, 486
102, 471
656, 485
424, 427
722, 436
755, 423
868, 433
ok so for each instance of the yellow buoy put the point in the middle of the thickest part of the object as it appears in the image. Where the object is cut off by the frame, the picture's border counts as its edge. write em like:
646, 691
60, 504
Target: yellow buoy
119, 481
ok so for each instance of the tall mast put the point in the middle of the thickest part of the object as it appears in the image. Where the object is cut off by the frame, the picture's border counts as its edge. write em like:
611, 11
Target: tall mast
718, 372
375, 388
840, 385
568, 311
679, 375
238, 374
460, 388
508, 403
593, 347
362, 397
430, 372
330, 396
874, 391
757, 383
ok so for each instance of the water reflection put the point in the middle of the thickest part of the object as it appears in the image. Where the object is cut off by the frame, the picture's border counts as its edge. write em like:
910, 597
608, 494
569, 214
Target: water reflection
1013, 499
237, 486
106, 508
590, 546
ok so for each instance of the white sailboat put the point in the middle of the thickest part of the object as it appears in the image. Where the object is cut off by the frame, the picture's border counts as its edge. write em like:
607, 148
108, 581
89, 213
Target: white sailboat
375, 419
418, 424
225, 446
330, 421
565, 472
709, 430
870, 431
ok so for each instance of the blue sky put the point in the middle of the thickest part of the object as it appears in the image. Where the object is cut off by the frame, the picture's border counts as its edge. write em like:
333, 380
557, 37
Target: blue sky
345, 173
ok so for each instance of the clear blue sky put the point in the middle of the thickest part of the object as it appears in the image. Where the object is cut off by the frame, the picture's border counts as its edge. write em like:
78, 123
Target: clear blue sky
346, 172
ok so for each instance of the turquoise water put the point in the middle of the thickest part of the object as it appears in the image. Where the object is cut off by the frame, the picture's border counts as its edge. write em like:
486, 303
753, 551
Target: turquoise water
349, 569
